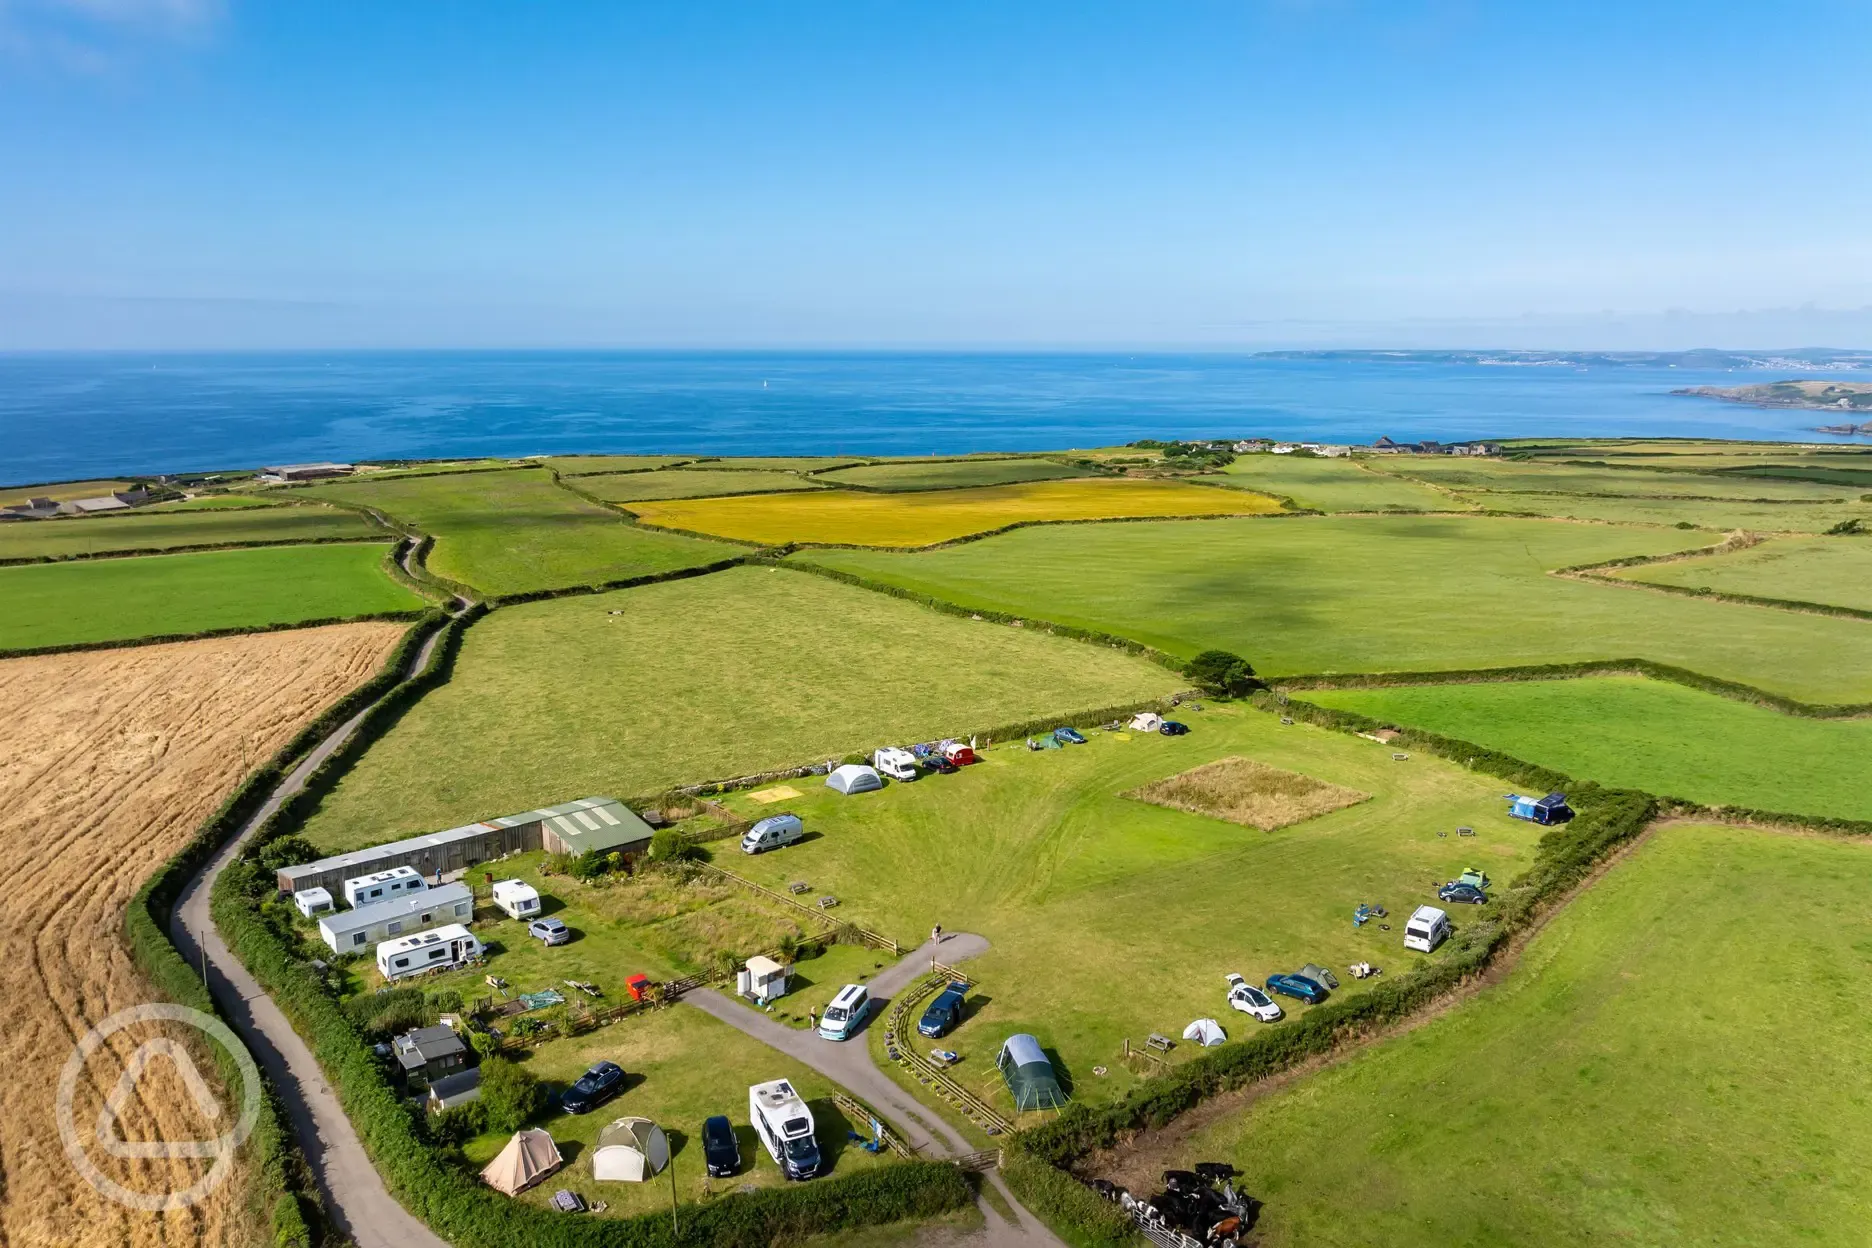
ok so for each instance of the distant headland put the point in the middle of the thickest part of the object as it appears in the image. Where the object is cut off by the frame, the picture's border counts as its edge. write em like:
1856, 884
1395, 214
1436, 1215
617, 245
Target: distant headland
1823, 396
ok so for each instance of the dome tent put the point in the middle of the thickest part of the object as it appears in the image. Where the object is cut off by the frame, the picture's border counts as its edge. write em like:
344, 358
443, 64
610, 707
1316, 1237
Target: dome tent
853, 778
1030, 1076
630, 1150
529, 1157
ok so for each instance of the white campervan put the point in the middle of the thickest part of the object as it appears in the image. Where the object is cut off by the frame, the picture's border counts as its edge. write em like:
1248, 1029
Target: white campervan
518, 898
845, 1013
785, 1126
442, 949
1428, 927
895, 762
771, 833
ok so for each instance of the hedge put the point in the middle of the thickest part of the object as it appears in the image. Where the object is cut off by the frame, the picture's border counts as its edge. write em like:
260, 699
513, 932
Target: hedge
163, 639
1075, 1212
629, 582
195, 548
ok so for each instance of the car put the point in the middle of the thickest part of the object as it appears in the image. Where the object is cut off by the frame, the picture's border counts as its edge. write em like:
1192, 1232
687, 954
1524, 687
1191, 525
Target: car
1249, 999
771, 833
721, 1151
944, 1013
1463, 894
1171, 728
552, 931
1299, 987
1069, 736
940, 765
593, 1088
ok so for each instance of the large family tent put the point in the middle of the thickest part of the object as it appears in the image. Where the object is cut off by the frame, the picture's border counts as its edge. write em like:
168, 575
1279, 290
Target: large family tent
529, 1157
1029, 1075
853, 778
1146, 721
630, 1150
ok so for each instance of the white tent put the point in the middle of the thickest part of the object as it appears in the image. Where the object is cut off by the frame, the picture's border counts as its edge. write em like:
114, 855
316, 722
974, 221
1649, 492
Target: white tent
630, 1150
1146, 721
1206, 1032
853, 778
529, 1157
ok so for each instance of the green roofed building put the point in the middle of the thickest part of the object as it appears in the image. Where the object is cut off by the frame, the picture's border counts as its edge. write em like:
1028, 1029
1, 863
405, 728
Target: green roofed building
1030, 1076
593, 823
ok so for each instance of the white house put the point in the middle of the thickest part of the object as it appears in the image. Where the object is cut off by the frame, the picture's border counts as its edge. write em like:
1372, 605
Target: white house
518, 898
443, 949
395, 882
350, 931
313, 901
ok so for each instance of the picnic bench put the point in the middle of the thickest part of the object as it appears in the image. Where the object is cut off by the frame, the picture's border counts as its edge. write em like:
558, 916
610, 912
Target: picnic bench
798, 886
1161, 1044
827, 902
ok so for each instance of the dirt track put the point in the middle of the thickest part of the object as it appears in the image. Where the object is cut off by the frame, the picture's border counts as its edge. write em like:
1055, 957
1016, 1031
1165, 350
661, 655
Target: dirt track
108, 762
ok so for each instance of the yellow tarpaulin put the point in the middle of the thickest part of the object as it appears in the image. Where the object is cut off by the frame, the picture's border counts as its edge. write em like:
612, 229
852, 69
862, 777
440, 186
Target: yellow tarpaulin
779, 793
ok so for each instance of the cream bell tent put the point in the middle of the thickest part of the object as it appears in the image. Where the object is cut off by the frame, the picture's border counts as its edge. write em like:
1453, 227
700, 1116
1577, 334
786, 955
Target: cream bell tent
529, 1157
1146, 721
630, 1150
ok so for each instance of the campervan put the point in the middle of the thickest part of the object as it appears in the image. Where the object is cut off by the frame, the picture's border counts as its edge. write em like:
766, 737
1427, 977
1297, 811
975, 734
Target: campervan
785, 1126
846, 1012
442, 949
518, 898
771, 833
898, 764
1428, 928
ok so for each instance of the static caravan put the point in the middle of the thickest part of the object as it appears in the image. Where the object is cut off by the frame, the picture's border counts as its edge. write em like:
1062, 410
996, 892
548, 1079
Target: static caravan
352, 931
518, 898
396, 882
443, 949
785, 1126
313, 901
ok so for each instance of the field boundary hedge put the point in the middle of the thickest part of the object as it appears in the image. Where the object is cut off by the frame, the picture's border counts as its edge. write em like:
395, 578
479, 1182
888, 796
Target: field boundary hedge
198, 547
629, 582
1592, 573
163, 639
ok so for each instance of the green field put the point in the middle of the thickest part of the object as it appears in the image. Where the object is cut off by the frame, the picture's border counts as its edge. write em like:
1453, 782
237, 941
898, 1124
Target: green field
216, 502
953, 473
628, 692
688, 483
145, 531
515, 531
1645, 734
1110, 917
1678, 1059
59, 493
1832, 570
119, 599
578, 465
1380, 594
1705, 514
1513, 476
1340, 484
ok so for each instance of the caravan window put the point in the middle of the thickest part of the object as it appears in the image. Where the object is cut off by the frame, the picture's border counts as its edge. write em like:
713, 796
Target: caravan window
796, 1126
358, 939
400, 963
437, 953
395, 926
461, 907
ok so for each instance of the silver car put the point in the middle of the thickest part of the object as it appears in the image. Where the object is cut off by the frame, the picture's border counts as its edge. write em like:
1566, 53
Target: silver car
552, 931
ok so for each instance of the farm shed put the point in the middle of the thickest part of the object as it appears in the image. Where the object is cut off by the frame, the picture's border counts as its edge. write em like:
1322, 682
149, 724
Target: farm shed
457, 1089
429, 1053
517, 897
613, 825
442, 949
381, 885
529, 1157
1030, 1076
313, 901
853, 778
348, 931
630, 1150
308, 472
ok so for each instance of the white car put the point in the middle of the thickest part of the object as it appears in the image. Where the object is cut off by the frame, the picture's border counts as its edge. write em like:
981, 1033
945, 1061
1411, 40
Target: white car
1249, 999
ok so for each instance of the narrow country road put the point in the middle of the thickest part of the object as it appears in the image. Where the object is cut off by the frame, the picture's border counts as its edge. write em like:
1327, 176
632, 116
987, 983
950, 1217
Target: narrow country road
355, 1196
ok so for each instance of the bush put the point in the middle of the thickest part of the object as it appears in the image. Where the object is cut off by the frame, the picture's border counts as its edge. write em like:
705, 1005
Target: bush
453, 1127
287, 851
1222, 674
667, 845
1081, 1216
389, 1013
447, 1001
510, 1095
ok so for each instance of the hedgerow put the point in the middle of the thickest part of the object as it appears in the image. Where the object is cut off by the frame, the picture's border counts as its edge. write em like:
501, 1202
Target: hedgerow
74, 647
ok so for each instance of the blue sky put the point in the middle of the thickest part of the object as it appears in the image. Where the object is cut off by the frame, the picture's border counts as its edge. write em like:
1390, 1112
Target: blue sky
181, 173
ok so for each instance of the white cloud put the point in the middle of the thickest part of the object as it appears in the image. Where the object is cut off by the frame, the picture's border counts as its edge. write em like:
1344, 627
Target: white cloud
93, 36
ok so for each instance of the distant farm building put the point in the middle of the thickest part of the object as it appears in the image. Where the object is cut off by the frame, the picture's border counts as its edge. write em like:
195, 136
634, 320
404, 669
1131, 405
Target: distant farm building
601, 823
308, 472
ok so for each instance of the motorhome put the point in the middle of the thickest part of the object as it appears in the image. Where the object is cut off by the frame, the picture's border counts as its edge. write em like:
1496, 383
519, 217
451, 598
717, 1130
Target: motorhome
845, 1013
383, 885
440, 950
518, 898
897, 763
785, 1126
1428, 927
771, 833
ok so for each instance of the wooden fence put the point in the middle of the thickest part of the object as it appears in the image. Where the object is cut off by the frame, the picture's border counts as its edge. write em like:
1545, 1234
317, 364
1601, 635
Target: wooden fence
900, 1036
864, 1115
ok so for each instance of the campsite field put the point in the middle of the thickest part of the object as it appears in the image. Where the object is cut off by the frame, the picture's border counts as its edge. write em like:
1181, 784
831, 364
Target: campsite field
631, 487
1379, 593
1648, 734
1832, 570
512, 532
629, 692
1675, 1059
910, 519
951, 474
1111, 917
97, 600
109, 760
1341, 484
161, 530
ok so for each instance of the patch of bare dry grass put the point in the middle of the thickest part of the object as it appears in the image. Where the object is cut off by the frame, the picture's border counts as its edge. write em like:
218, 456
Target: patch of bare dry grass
1253, 794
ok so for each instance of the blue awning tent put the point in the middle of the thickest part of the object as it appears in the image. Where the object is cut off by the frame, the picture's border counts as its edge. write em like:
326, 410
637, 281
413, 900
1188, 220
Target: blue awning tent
1550, 809
1029, 1075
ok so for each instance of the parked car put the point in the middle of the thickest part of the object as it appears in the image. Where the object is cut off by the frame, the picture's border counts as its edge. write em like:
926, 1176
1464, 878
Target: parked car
594, 1088
940, 765
771, 833
1463, 894
944, 1013
552, 931
1069, 736
1249, 999
1299, 987
721, 1152
1171, 728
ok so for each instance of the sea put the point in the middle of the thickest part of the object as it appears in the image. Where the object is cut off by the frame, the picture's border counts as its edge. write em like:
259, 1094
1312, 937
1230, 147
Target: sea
72, 416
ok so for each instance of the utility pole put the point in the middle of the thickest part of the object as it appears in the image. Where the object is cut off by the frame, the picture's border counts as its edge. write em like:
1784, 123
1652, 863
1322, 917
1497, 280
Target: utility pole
675, 1227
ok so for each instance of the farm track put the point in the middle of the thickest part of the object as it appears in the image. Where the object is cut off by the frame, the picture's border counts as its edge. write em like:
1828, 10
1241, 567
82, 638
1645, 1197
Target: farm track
113, 759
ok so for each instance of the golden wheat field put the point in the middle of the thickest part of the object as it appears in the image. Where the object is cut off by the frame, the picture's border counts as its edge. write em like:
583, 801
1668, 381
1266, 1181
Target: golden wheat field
849, 518
109, 760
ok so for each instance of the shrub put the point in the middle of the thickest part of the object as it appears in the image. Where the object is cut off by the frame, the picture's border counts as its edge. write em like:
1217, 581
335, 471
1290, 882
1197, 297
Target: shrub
1068, 1206
588, 866
287, 851
667, 845
389, 1013
447, 1001
510, 1094
453, 1127
1222, 674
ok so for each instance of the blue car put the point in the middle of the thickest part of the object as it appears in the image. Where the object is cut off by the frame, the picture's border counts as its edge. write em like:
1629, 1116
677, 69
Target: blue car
1299, 987
1171, 728
944, 1013
1069, 736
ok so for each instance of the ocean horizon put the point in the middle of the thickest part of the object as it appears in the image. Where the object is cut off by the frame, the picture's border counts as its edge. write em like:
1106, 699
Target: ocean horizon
66, 416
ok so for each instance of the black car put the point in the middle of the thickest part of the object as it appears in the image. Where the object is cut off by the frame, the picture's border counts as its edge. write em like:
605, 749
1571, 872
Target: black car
1464, 894
594, 1088
943, 1013
940, 765
721, 1152
1171, 728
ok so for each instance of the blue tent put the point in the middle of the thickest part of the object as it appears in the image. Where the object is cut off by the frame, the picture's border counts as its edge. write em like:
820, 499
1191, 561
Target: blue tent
1549, 809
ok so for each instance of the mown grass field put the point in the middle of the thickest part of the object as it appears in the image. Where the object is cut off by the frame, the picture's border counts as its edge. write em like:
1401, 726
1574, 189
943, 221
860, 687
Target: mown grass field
953, 473
629, 692
1832, 570
515, 531
1701, 513
1513, 476
1340, 484
1111, 917
120, 599
1678, 1059
942, 515
215, 502
146, 531
572, 465
1376, 593
633, 487
1646, 734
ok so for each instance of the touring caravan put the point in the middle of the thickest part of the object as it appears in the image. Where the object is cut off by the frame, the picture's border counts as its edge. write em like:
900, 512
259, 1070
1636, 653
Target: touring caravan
518, 898
1428, 927
443, 949
785, 1126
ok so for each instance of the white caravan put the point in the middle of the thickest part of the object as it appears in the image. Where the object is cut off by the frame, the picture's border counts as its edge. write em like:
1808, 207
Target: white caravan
518, 898
443, 949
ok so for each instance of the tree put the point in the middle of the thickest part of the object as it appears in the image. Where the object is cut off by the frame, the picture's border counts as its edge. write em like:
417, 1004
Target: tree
1222, 674
511, 1094
287, 851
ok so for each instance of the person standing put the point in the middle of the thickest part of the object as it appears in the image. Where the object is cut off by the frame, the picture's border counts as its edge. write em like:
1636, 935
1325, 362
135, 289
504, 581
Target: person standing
812, 1018
936, 934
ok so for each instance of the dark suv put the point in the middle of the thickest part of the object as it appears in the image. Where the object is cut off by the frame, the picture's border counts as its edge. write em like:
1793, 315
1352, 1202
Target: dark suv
721, 1152
594, 1088
944, 1013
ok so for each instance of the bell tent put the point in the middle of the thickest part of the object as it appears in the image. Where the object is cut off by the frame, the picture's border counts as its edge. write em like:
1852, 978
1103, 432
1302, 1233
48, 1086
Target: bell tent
529, 1157
630, 1150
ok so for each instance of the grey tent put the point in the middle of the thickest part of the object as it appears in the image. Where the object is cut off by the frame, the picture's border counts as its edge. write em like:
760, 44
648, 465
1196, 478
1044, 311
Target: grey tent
630, 1150
1029, 1075
853, 778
